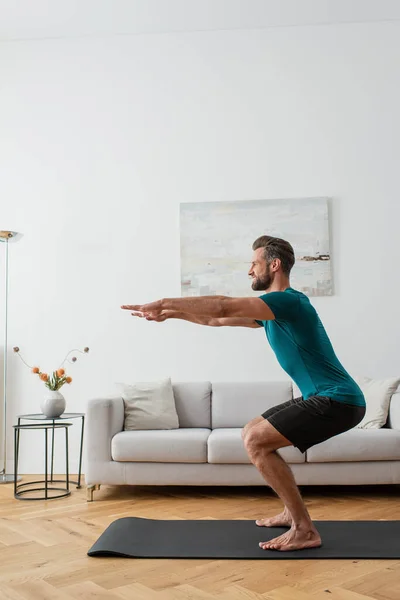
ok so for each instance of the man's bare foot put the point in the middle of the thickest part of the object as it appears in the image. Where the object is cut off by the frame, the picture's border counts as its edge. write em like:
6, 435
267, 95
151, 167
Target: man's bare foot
294, 539
284, 519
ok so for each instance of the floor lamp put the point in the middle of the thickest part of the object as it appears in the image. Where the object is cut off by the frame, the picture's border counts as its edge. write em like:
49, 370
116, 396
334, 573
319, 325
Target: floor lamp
5, 238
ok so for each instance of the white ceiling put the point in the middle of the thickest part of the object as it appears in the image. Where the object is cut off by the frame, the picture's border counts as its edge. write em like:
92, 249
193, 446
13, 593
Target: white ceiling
36, 19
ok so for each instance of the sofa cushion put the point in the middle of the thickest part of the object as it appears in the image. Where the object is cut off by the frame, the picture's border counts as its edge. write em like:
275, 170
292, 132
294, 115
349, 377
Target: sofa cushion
166, 446
358, 445
226, 446
193, 403
235, 404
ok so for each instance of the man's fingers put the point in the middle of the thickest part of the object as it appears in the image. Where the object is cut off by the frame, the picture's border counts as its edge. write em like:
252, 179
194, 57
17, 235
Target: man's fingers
135, 307
150, 311
144, 315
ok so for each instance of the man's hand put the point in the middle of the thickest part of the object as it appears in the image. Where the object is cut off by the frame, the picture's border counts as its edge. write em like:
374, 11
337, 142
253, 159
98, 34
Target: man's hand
154, 308
158, 317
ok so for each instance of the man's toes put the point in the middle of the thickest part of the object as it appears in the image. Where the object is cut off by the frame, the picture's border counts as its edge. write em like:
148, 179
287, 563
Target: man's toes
267, 546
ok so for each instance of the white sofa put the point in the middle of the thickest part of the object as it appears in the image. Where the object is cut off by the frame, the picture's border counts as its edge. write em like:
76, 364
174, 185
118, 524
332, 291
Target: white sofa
208, 449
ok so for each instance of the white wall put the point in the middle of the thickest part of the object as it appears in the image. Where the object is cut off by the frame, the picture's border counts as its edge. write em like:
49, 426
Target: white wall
102, 138
24, 19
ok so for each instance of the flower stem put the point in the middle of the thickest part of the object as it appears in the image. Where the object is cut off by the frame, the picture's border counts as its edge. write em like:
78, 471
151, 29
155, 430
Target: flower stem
25, 363
70, 352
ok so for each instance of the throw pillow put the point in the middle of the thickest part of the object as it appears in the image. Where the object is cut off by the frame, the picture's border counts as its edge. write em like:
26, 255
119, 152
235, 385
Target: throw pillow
149, 405
377, 393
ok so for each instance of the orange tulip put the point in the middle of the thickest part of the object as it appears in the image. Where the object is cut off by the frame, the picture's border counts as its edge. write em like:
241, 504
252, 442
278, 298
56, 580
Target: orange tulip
60, 372
68, 379
35, 370
44, 377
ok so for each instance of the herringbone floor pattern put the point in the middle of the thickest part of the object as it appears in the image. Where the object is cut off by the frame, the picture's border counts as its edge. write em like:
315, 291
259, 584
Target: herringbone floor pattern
43, 548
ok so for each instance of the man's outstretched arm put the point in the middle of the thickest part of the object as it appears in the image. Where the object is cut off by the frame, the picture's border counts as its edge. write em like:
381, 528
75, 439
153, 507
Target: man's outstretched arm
210, 306
200, 320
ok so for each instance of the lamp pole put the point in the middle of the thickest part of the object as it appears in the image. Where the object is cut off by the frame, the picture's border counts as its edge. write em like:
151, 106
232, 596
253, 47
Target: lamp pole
6, 237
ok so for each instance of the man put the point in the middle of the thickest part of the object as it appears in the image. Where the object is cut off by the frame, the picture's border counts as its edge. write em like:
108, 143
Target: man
331, 401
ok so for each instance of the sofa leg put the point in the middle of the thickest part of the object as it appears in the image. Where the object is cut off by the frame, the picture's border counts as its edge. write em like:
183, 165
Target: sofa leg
89, 491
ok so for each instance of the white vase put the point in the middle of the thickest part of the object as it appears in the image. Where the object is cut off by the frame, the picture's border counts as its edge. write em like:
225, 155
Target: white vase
53, 404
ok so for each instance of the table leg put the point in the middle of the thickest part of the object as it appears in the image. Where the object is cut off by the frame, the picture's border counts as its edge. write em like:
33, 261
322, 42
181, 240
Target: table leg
45, 465
52, 452
66, 459
15, 461
19, 421
16, 455
80, 454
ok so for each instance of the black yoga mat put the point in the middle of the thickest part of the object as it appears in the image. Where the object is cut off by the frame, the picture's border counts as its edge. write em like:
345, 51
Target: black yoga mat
148, 538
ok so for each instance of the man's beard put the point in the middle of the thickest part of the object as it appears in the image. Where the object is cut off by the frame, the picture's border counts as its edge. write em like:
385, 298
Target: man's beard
263, 282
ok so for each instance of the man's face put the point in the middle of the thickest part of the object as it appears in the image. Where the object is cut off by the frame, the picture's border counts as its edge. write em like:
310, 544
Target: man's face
261, 273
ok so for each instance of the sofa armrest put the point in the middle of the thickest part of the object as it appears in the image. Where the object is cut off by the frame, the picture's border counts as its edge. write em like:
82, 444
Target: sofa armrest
104, 419
394, 411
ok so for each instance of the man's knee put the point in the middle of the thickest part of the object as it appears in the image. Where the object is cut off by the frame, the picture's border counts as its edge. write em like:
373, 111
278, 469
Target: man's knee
246, 429
256, 442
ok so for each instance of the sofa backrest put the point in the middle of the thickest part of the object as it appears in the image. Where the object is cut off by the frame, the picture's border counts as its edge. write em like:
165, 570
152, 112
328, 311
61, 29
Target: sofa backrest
202, 404
193, 403
235, 404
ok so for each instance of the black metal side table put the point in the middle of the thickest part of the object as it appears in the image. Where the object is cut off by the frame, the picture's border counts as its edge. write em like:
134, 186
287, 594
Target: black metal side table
53, 421
18, 487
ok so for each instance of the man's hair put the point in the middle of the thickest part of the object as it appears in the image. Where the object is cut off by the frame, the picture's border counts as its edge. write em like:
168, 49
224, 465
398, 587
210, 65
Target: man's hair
276, 248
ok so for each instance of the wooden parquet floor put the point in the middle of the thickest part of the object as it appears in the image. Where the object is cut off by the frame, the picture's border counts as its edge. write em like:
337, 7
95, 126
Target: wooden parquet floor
43, 547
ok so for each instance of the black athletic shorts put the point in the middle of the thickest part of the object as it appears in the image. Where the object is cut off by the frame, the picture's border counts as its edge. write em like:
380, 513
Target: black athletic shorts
312, 421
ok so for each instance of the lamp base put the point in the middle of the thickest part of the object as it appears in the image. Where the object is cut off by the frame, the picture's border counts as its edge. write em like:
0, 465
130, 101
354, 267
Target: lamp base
4, 478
